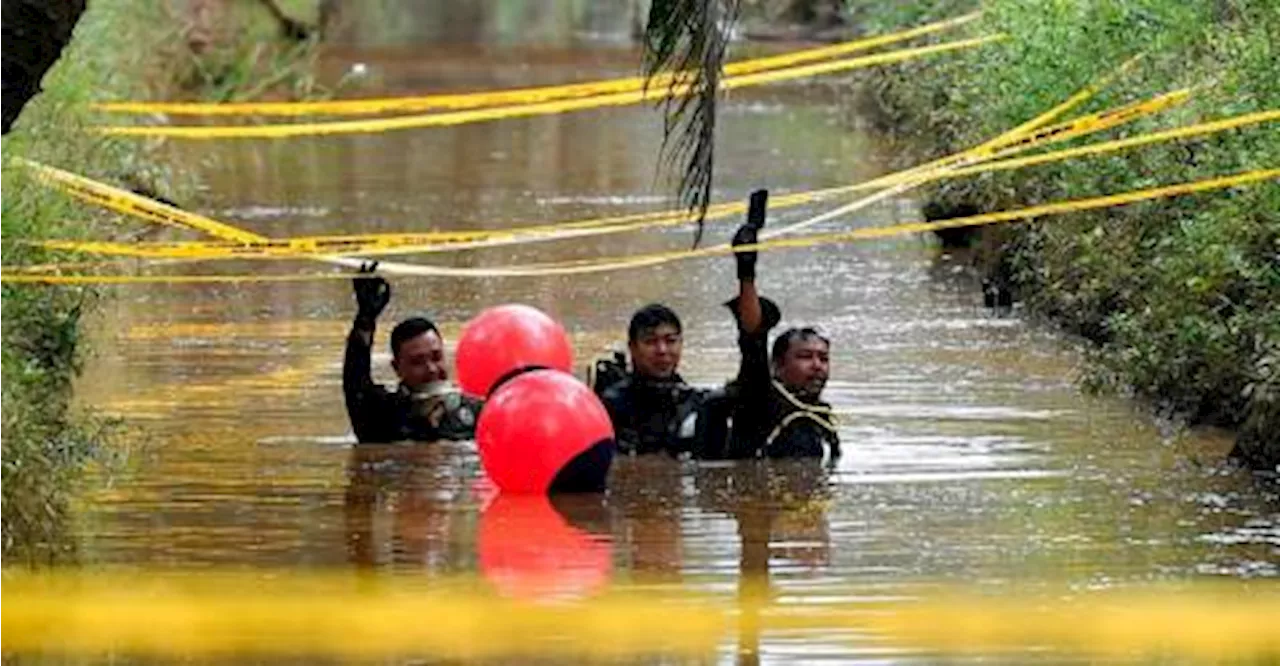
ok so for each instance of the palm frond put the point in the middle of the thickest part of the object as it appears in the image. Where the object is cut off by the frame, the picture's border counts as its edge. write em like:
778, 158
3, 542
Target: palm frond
686, 40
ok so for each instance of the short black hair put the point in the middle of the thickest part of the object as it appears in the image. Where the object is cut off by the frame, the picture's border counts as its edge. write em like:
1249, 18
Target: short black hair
783, 342
650, 317
410, 329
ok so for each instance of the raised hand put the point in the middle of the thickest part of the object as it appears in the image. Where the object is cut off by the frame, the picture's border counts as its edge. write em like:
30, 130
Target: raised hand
748, 234
372, 294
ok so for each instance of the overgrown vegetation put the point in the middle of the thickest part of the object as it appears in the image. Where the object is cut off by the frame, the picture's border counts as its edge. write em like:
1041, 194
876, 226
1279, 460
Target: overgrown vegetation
239, 51
118, 53
1181, 296
45, 445
815, 19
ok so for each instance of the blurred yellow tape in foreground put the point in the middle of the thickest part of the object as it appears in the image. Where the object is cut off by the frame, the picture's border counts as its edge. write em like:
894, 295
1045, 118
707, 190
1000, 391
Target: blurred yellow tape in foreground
335, 614
342, 614
1207, 625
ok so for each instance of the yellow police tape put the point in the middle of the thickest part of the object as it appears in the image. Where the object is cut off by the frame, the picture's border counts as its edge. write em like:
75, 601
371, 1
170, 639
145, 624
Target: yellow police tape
401, 243
585, 266
1096, 121
518, 96
453, 241
280, 131
347, 616
130, 203
126, 202
1079, 97
1138, 626
333, 614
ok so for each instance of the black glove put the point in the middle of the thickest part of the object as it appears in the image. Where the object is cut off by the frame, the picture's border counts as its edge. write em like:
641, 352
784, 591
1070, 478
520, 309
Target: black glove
372, 295
748, 235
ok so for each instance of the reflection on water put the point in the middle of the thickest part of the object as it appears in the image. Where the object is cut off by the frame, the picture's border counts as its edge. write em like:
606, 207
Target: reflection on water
970, 456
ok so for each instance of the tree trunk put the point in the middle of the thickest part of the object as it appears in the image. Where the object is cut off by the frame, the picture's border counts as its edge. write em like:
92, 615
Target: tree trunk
35, 32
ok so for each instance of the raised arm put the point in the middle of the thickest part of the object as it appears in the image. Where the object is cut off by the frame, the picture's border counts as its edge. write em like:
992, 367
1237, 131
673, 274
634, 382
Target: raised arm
755, 317
358, 389
750, 317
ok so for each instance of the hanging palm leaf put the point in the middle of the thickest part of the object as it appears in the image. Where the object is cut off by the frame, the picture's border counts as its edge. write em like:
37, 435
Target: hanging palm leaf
688, 39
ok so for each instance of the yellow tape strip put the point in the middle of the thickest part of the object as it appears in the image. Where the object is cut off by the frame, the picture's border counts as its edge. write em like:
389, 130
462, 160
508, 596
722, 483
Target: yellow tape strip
484, 238
465, 240
1093, 122
1133, 626
383, 245
586, 266
1122, 144
1034, 131
1026, 137
280, 131
517, 96
331, 614
1076, 99
129, 203
347, 616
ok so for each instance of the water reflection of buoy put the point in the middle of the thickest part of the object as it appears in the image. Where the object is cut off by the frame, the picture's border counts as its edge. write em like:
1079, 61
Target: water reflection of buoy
504, 340
545, 432
529, 551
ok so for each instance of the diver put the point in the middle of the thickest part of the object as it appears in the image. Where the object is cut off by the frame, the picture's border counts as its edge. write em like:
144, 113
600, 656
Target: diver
425, 406
652, 408
778, 410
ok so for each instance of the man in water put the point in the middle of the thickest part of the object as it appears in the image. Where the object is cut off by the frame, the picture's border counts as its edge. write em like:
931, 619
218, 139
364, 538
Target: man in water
652, 408
779, 412
776, 405
425, 407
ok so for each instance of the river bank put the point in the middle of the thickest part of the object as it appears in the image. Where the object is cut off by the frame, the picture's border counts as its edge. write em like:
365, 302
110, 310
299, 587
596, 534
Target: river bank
46, 442
1177, 297
120, 50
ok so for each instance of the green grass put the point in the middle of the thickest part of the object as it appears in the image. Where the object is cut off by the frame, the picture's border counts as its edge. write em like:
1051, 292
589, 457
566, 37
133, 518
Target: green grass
46, 443
1178, 296
122, 50
246, 59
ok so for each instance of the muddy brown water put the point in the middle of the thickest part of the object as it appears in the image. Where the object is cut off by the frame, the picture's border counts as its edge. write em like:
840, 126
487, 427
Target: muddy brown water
970, 454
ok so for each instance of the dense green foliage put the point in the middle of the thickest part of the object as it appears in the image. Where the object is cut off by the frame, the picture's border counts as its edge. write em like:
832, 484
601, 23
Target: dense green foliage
236, 51
46, 444
1181, 296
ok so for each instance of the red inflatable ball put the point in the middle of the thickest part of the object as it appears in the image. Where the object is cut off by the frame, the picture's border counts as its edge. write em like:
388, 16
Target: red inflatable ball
503, 340
529, 551
545, 432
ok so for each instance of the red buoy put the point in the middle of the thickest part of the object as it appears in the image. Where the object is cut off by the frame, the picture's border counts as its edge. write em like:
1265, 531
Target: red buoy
529, 551
503, 340
545, 431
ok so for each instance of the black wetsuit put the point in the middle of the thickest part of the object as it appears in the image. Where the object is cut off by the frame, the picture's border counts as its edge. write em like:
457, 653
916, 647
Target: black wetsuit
767, 421
381, 416
666, 416
651, 416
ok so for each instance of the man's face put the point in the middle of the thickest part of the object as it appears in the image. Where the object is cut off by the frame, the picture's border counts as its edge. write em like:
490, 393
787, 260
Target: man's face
655, 353
420, 361
803, 369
